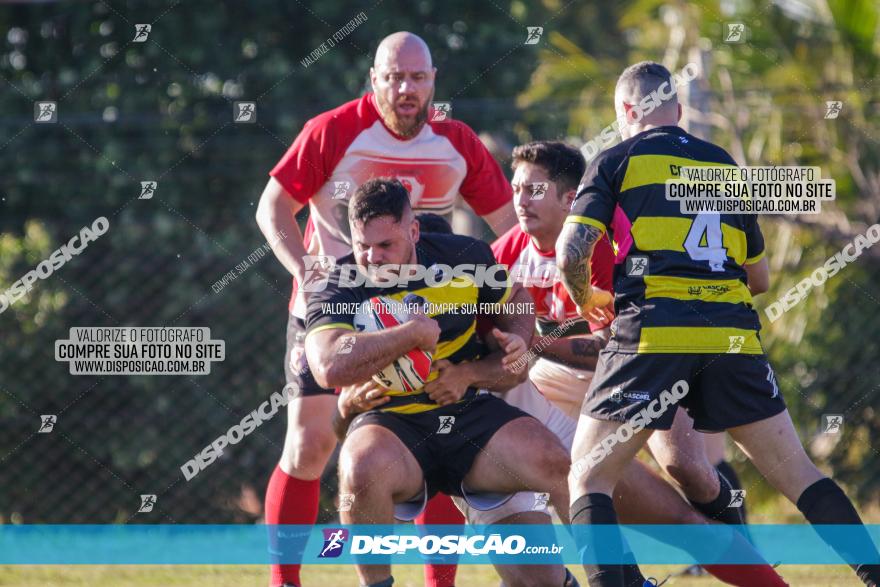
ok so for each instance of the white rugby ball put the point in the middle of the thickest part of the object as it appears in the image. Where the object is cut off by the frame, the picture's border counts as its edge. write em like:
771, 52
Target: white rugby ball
410, 371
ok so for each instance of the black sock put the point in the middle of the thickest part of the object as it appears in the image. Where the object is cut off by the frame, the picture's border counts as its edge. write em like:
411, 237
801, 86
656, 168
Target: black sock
718, 509
728, 472
386, 583
598, 509
824, 502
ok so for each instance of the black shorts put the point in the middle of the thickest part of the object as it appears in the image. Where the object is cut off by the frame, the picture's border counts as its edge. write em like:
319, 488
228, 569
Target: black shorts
723, 390
446, 450
296, 367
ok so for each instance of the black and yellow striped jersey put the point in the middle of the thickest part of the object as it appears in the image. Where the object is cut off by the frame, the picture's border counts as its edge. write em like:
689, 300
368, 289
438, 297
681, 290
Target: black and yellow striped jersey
679, 281
453, 300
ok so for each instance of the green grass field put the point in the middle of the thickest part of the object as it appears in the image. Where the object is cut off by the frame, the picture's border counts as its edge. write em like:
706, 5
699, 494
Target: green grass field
338, 576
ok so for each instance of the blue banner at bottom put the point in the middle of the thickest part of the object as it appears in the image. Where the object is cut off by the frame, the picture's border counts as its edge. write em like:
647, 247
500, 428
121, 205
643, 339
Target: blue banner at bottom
409, 544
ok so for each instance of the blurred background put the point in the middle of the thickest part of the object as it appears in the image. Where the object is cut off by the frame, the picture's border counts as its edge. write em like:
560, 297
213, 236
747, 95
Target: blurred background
162, 110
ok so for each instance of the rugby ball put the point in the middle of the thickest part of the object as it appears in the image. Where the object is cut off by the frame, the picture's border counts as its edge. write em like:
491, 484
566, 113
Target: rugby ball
409, 372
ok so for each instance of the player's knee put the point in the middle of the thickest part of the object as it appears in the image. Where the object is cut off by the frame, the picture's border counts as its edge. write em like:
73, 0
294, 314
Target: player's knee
307, 451
360, 470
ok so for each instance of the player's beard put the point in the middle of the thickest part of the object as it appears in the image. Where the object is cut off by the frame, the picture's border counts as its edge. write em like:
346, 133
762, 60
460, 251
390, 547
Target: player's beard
405, 128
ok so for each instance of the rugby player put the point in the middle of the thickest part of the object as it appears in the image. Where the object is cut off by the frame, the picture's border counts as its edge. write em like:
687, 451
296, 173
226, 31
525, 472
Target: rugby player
394, 454
670, 331
384, 133
546, 175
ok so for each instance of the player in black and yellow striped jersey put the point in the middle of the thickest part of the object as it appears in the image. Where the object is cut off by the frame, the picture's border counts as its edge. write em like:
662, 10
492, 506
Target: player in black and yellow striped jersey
684, 322
412, 445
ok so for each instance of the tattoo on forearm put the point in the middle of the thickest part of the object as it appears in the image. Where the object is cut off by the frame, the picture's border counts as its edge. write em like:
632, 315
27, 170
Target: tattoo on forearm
576, 247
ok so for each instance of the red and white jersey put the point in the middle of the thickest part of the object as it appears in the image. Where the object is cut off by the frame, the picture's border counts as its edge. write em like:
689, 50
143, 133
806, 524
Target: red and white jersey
536, 270
339, 150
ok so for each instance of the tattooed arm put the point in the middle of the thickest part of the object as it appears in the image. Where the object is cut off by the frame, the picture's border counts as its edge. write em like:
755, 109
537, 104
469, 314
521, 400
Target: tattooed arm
573, 251
578, 352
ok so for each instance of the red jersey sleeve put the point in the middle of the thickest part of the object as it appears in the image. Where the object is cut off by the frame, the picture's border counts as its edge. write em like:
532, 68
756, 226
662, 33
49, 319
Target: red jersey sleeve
314, 154
602, 265
485, 189
308, 163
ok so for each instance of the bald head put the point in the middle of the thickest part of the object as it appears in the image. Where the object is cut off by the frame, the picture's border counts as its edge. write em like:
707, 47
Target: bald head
402, 77
402, 46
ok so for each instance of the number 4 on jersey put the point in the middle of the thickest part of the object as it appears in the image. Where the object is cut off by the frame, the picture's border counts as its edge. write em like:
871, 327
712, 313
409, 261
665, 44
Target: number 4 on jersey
709, 224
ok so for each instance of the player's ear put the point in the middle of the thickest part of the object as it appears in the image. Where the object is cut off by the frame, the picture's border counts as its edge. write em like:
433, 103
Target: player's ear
414, 231
568, 198
373, 78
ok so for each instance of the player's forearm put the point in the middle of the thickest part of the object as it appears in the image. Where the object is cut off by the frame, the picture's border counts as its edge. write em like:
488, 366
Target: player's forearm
278, 224
521, 323
370, 352
578, 352
573, 251
489, 373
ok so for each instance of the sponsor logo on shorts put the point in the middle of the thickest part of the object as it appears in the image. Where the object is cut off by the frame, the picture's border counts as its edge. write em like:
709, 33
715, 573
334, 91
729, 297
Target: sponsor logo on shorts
653, 411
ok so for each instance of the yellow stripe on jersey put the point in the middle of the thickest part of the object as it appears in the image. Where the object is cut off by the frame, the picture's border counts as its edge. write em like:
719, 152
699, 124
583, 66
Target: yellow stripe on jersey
343, 325
573, 219
707, 339
662, 233
644, 170
732, 291
755, 259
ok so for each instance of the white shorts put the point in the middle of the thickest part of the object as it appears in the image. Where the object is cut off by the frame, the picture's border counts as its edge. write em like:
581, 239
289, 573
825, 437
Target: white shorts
564, 386
526, 397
